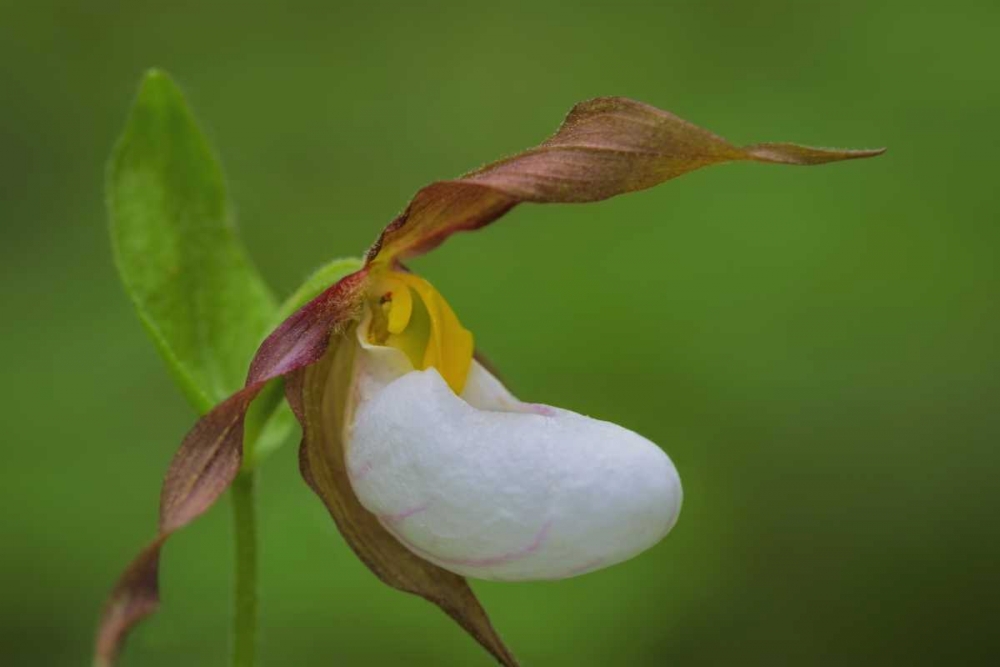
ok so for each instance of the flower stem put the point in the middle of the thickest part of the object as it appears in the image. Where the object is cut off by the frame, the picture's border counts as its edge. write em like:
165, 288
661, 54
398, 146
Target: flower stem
245, 590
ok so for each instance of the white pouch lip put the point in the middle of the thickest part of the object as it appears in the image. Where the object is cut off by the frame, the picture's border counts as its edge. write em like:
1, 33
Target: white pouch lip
487, 486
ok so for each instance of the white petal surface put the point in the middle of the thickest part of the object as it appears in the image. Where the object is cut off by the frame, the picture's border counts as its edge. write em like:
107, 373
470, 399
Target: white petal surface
489, 487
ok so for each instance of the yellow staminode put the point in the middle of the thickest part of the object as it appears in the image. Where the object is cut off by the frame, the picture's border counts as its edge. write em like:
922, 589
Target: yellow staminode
413, 317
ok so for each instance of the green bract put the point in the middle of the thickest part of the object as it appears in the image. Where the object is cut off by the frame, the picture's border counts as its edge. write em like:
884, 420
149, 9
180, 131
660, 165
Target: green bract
175, 244
195, 289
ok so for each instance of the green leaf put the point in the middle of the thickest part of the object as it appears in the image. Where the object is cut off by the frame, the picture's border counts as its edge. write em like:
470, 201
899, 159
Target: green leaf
204, 304
270, 420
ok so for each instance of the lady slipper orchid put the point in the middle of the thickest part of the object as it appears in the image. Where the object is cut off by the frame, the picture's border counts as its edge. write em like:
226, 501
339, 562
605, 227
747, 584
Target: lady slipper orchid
470, 478
431, 468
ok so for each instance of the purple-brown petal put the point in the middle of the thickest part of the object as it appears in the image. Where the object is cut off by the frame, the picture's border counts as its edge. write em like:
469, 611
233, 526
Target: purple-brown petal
605, 147
319, 396
210, 456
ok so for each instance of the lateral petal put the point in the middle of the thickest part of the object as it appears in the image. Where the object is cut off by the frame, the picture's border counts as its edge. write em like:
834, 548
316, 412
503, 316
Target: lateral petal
322, 396
605, 147
210, 456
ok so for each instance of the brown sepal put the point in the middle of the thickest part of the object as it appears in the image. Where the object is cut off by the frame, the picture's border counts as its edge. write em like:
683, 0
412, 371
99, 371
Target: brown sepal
319, 396
605, 147
210, 456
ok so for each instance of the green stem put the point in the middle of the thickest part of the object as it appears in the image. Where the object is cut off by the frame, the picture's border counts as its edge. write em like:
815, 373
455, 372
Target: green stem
245, 594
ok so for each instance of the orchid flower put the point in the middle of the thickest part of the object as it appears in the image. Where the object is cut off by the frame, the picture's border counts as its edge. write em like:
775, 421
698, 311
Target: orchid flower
432, 470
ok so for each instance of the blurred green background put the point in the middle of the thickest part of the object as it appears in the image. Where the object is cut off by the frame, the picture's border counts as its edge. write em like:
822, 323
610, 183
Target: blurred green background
817, 349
